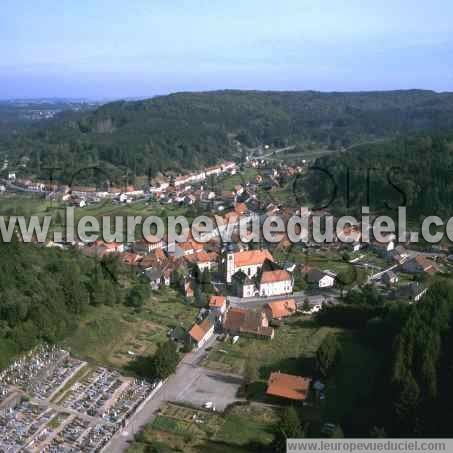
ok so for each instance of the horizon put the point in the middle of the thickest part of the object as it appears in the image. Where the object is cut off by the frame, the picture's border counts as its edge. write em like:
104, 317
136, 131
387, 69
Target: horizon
59, 49
147, 97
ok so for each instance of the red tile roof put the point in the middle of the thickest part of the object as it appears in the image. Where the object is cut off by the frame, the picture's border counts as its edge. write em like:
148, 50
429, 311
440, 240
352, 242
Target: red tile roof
288, 386
252, 257
217, 301
275, 276
198, 331
282, 308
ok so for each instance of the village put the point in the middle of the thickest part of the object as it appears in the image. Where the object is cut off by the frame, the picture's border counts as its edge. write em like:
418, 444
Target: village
243, 294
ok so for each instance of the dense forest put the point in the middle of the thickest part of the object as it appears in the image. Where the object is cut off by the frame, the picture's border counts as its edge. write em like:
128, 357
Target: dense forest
44, 291
413, 172
412, 395
187, 130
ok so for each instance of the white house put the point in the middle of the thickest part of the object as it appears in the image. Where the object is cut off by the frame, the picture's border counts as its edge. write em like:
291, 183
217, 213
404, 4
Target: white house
275, 283
201, 333
320, 279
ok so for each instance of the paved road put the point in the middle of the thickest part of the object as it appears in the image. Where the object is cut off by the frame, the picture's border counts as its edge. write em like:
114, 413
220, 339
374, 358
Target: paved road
314, 296
184, 385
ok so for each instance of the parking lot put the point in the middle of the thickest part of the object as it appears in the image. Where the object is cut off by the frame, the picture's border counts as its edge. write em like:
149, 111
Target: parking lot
64, 405
212, 387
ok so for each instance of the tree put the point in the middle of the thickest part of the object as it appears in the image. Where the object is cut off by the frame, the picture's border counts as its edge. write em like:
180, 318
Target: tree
137, 295
346, 278
206, 282
326, 355
306, 305
165, 360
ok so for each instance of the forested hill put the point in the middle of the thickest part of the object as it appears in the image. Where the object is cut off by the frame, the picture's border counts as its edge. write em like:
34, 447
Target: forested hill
186, 130
414, 172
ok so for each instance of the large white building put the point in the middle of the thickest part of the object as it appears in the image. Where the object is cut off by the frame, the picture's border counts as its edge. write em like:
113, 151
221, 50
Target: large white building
249, 262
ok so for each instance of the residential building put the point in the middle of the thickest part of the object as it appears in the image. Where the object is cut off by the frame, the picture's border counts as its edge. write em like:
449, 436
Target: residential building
218, 304
280, 309
275, 283
203, 260
288, 386
201, 333
239, 321
148, 244
157, 277
320, 279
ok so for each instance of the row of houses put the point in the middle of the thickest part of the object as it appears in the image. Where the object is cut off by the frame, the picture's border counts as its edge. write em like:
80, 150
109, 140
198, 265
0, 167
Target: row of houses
164, 184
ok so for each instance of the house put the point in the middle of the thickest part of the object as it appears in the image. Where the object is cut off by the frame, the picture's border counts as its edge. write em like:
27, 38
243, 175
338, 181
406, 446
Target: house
203, 260
148, 244
108, 247
275, 283
320, 279
280, 309
218, 304
243, 285
201, 333
131, 259
418, 265
157, 277
255, 323
288, 386
413, 292
249, 262
187, 248
390, 278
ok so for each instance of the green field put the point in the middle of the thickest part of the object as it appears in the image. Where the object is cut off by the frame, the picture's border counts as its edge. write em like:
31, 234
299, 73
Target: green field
229, 182
25, 205
294, 345
181, 428
107, 334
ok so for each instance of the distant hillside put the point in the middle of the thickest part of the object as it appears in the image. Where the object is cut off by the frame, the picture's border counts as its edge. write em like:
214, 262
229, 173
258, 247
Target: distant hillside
186, 130
414, 172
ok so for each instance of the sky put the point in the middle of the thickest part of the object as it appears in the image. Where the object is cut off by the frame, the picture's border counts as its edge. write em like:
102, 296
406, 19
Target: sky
111, 49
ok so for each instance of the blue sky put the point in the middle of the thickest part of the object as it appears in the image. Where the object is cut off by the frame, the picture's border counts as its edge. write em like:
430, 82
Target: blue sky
128, 48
